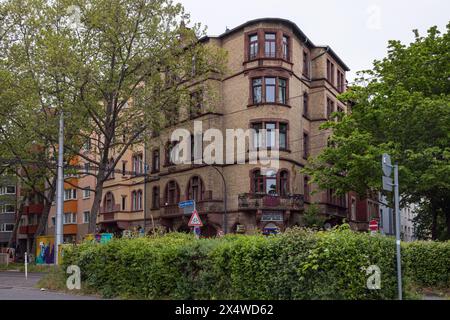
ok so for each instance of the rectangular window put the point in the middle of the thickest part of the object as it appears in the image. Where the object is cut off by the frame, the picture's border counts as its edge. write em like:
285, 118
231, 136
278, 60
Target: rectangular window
195, 108
257, 136
124, 168
330, 108
6, 227
271, 184
155, 161
270, 84
70, 194
155, 198
137, 165
305, 104
257, 90
70, 218
285, 48
87, 193
330, 72
305, 146
7, 208
253, 46
87, 168
270, 45
124, 203
305, 64
8, 190
86, 215
282, 90
270, 138
283, 135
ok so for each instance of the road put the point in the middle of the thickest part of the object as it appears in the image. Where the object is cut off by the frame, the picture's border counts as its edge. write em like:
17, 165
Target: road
14, 286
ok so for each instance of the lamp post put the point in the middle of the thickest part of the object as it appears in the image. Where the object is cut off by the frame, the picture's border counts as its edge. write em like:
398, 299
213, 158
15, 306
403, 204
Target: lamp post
59, 190
225, 217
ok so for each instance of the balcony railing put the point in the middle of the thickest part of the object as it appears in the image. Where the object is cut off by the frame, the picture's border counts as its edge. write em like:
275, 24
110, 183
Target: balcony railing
203, 207
259, 201
115, 208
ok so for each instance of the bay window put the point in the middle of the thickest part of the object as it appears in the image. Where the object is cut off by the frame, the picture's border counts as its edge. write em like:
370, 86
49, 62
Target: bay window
268, 138
270, 183
269, 90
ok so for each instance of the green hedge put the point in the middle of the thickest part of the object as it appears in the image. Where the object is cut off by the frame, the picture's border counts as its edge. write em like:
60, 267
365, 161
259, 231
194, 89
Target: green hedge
428, 263
298, 264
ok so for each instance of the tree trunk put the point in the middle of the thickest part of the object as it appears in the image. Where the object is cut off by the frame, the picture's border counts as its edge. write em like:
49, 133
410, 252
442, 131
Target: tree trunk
447, 219
434, 229
44, 217
97, 200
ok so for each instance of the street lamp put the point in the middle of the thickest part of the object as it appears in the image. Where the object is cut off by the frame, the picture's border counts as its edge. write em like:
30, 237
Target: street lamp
225, 218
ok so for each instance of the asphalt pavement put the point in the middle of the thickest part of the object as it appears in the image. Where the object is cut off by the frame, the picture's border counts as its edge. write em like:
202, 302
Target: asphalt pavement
14, 286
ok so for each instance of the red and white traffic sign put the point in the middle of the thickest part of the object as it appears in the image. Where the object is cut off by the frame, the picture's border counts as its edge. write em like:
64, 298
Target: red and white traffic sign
195, 220
373, 225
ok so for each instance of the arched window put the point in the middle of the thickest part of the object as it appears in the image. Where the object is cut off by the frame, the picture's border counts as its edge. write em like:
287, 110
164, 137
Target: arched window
257, 182
136, 200
109, 202
155, 197
155, 161
195, 189
172, 193
284, 183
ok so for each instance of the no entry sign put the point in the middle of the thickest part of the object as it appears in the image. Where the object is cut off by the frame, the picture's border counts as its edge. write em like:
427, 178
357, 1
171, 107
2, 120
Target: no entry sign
373, 225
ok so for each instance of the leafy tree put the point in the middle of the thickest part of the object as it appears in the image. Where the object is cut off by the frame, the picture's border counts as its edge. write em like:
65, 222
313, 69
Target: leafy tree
401, 107
312, 217
118, 69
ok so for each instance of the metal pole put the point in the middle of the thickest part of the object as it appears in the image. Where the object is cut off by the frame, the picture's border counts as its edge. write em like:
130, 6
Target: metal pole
60, 190
397, 227
225, 215
26, 265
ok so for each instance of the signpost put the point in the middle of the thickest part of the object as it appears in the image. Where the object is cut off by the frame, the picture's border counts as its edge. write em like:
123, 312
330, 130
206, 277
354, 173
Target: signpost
187, 206
389, 185
195, 222
373, 226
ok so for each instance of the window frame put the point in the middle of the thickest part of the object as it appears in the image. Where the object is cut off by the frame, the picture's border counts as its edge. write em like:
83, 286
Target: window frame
258, 138
264, 88
272, 43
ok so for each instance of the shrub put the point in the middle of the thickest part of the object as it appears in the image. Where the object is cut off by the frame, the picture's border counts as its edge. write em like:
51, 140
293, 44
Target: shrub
298, 264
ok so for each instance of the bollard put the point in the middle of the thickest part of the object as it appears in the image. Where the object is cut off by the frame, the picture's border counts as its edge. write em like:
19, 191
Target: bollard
26, 265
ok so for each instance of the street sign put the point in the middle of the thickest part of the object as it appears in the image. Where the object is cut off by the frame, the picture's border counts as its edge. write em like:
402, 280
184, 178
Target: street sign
195, 220
184, 204
373, 225
388, 184
387, 165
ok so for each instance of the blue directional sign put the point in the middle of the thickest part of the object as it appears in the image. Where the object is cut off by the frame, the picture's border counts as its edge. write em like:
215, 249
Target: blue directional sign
185, 204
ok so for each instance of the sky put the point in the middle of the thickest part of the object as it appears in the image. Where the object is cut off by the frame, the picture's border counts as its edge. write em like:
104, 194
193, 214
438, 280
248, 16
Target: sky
357, 30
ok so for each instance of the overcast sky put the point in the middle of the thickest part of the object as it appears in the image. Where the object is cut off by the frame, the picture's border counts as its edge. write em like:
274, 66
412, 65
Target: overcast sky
357, 30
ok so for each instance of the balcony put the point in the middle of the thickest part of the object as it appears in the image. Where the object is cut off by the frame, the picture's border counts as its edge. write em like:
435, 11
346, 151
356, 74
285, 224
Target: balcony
34, 209
203, 207
115, 208
27, 229
259, 201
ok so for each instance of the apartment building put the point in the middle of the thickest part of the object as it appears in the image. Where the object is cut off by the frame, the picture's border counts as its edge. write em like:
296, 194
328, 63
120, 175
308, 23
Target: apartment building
277, 78
8, 206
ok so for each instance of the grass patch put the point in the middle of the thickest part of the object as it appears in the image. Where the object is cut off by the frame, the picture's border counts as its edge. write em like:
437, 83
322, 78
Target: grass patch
20, 267
55, 280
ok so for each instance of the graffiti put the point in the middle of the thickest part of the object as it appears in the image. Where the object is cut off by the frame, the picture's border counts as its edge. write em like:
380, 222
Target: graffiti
45, 250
